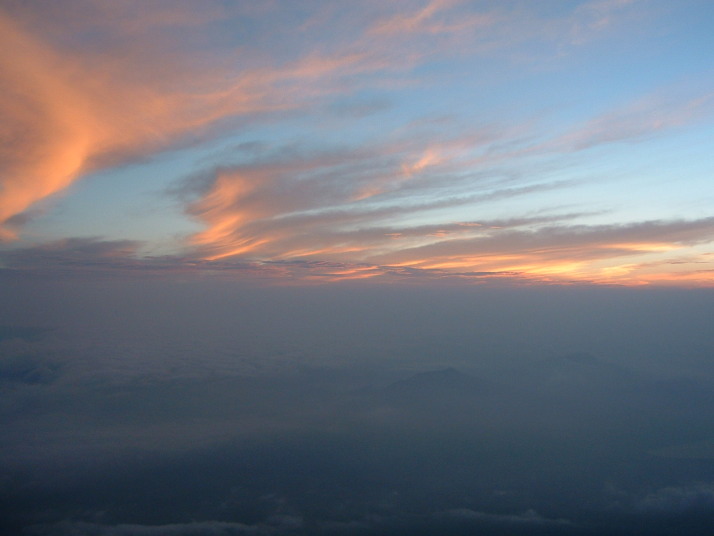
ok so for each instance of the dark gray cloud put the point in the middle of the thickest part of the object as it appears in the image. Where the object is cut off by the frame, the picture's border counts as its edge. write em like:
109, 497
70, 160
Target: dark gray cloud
449, 523
679, 499
203, 528
27, 369
216, 408
72, 254
22, 333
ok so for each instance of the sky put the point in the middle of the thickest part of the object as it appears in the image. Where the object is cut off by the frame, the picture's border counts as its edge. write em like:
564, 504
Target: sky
310, 268
502, 143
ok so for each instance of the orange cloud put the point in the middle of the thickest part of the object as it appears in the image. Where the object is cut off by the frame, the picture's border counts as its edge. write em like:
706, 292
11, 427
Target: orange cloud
68, 112
605, 254
429, 158
303, 207
392, 181
85, 257
70, 107
306, 205
41, 106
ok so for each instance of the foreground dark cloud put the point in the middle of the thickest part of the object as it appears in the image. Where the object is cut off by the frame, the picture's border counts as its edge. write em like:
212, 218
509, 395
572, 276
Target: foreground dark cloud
220, 408
450, 523
207, 528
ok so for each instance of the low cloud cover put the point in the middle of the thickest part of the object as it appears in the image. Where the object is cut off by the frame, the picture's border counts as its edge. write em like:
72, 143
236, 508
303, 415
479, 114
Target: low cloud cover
211, 408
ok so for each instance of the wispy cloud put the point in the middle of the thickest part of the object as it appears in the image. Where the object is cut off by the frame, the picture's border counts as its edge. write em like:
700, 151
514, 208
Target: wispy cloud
435, 17
345, 204
111, 83
70, 112
107, 85
540, 250
596, 16
93, 257
587, 253
638, 120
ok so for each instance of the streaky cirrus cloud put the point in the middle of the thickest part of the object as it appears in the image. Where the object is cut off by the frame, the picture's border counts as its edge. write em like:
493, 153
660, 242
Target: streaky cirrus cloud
538, 250
67, 112
91, 85
371, 204
347, 203
638, 120
596, 253
69, 109
94, 257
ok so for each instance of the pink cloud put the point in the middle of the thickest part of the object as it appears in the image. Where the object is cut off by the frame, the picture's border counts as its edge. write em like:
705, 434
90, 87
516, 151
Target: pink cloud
67, 112
95, 84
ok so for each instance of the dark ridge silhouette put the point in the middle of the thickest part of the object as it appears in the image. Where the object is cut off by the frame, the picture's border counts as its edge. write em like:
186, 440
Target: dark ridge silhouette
436, 386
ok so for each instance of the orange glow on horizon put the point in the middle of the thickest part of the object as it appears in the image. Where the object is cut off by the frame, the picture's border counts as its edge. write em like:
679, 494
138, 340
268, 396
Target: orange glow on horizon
643, 246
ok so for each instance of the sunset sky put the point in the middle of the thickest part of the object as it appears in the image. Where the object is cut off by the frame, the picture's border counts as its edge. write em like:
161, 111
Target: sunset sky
497, 141
356, 267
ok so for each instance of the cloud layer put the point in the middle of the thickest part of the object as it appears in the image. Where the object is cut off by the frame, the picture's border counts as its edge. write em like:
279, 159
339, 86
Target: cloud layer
350, 141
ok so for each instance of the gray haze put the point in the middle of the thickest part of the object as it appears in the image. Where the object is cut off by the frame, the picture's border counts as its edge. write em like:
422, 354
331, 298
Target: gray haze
200, 407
